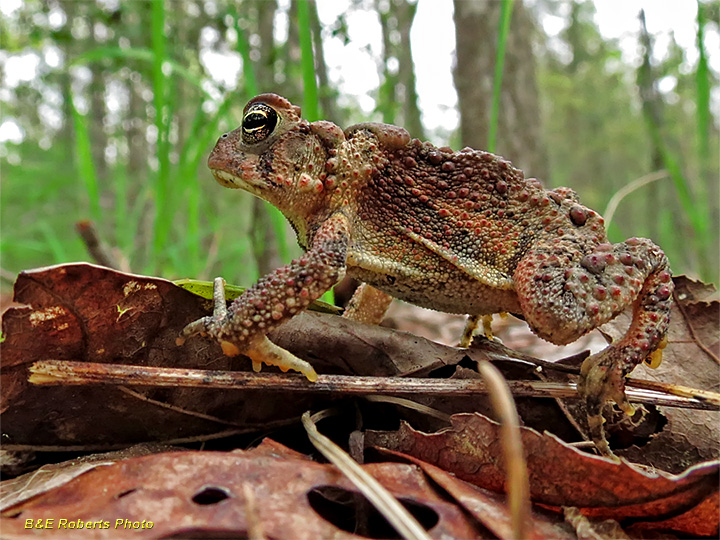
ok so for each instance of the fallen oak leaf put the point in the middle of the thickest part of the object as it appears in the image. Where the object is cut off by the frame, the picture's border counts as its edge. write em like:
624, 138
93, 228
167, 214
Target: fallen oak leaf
90, 312
200, 493
488, 507
52, 475
560, 475
87, 312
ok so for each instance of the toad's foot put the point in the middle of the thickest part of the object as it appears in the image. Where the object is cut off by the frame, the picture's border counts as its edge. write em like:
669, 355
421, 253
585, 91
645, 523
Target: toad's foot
276, 298
260, 350
471, 326
602, 381
272, 355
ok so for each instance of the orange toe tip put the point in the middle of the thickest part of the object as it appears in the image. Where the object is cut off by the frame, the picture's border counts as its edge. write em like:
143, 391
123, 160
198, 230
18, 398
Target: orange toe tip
229, 349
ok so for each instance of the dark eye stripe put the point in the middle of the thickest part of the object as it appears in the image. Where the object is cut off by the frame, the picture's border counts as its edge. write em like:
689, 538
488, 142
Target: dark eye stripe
255, 120
258, 123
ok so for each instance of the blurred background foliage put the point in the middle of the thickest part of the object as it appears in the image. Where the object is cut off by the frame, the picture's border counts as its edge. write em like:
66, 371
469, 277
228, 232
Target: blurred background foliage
110, 108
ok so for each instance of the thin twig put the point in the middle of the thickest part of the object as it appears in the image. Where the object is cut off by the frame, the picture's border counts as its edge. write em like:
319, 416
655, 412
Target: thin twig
676, 390
180, 410
697, 341
620, 194
518, 484
61, 372
396, 514
410, 404
252, 516
119, 446
97, 250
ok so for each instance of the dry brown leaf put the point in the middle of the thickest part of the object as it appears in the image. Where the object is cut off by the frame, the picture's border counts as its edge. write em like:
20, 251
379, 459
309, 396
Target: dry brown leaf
490, 508
53, 475
563, 476
204, 493
84, 312
90, 313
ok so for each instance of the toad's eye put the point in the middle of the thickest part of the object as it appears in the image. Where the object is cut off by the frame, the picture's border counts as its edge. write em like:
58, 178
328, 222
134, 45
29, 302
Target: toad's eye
258, 123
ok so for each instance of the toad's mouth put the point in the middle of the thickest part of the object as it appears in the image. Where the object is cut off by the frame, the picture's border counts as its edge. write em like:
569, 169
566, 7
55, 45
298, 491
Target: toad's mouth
250, 183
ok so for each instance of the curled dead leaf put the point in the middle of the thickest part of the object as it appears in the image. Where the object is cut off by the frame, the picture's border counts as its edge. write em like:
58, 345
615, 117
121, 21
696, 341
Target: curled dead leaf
563, 476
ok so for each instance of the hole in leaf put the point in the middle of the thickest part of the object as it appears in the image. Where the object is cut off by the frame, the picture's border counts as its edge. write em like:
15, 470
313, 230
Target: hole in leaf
125, 493
353, 513
210, 495
624, 431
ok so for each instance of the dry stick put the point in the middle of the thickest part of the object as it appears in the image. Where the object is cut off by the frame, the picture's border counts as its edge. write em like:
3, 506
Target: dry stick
391, 509
61, 372
97, 250
175, 408
120, 446
413, 405
252, 516
518, 484
698, 342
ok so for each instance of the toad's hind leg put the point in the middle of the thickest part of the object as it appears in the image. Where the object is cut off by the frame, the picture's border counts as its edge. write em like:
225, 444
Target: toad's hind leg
563, 296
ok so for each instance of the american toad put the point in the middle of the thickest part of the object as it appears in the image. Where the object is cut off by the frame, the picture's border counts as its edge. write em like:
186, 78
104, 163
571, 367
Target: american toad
460, 232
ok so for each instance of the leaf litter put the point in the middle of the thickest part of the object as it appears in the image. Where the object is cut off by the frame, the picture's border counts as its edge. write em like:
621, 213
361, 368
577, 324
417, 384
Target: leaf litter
452, 479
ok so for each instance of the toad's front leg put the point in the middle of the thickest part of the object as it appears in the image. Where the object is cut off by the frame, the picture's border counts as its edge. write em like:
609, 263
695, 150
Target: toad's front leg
282, 294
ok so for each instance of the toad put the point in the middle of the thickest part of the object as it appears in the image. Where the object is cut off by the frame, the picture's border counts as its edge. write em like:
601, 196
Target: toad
460, 232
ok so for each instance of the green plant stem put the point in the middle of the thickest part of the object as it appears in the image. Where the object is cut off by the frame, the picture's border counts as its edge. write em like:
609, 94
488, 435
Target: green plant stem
243, 47
162, 125
702, 84
84, 161
505, 16
307, 60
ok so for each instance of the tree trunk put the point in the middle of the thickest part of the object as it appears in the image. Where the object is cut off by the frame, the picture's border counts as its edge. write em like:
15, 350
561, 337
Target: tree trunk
265, 65
652, 110
411, 112
519, 134
326, 95
387, 98
398, 91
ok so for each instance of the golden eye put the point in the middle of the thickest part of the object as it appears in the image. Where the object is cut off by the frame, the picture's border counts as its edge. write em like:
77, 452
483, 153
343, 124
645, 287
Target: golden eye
258, 123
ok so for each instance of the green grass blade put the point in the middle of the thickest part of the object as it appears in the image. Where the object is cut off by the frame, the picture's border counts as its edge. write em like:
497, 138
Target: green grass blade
84, 161
144, 55
122, 237
702, 83
53, 241
505, 16
310, 95
204, 289
189, 169
243, 47
310, 107
702, 79
162, 121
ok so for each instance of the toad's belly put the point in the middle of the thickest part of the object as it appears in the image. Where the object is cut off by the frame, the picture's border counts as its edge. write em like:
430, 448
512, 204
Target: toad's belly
436, 284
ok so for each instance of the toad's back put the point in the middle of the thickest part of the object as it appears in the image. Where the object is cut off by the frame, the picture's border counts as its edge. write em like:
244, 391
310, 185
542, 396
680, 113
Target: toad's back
446, 230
